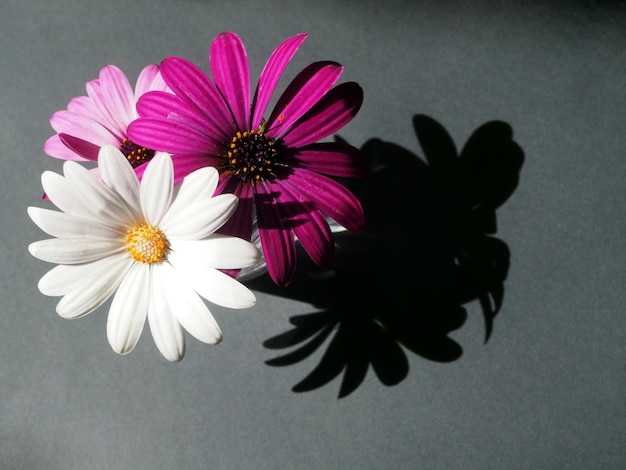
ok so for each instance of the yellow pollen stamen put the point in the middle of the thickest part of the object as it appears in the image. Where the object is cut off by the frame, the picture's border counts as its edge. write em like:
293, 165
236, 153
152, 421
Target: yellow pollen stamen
147, 244
251, 155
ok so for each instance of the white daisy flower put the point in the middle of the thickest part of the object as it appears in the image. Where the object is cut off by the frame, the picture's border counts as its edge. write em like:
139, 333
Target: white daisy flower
152, 242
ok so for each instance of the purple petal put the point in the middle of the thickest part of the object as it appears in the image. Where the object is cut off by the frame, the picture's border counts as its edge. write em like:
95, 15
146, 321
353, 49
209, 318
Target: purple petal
81, 147
329, 196
309, 225
333, 111
227, 184
330, 158
190, 162
302, 93
183, 165
229, 65
170, 136
162, 105
279, 247
57, 149
193, 86
240, 223
273, 70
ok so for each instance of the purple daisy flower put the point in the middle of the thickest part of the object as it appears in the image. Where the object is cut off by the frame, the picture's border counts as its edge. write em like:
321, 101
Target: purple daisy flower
102, 118
276, 166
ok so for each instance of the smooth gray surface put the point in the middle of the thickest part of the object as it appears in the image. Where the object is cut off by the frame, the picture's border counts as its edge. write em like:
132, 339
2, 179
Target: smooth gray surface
546, 391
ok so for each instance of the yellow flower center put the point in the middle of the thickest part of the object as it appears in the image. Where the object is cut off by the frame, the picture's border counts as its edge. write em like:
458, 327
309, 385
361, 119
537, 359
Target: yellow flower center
147, 244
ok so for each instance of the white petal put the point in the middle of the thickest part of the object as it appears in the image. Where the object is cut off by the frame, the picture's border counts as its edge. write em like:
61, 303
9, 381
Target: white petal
257, 268
189, 308
212, 284
119, 176
101, 200
60, 224
195, 187
201, 219
65, 196
157, 188
217, 251
92, 291
63, 279
167, 333
74, 250
127, 314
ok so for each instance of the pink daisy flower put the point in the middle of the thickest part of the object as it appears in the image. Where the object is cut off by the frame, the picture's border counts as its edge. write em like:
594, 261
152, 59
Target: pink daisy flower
275, 165
102, 118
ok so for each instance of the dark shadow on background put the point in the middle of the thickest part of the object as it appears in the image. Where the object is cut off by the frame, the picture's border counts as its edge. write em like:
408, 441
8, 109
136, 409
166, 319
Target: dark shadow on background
427, 249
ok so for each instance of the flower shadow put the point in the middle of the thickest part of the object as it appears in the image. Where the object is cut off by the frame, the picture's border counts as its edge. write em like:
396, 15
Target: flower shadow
427, 249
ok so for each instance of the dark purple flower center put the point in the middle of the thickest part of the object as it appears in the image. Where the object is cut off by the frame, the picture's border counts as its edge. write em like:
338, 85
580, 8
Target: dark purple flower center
250, 156
135, 154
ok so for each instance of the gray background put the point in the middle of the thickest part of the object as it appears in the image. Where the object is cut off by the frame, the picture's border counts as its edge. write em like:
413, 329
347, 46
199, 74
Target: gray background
547, 389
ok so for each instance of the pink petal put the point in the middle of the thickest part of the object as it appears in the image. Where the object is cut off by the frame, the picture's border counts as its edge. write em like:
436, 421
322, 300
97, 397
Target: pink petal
149, 79
273, 70
170, 136
229, 65
333, 111
277, 241
112, 95
193, 86
119, 96
309, 225
84, 106
330, 158
84, 126
145, 79
104, 119
329, 196
302, 93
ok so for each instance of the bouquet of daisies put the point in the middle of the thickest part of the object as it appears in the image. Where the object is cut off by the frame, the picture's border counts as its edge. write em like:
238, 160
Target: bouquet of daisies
198, 184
